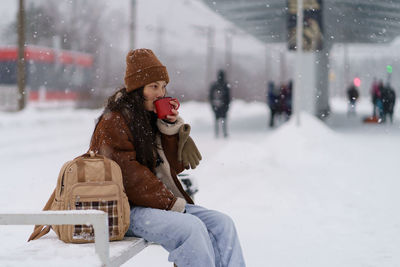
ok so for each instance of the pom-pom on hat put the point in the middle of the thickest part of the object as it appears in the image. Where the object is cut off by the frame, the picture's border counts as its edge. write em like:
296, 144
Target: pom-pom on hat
143, 67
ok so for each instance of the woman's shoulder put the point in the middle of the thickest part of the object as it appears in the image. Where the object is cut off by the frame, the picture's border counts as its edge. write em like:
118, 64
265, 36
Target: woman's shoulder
112, 125
112, 119
111, 133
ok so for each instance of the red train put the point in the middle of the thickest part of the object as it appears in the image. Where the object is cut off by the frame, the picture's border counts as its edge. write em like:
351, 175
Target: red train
51, 75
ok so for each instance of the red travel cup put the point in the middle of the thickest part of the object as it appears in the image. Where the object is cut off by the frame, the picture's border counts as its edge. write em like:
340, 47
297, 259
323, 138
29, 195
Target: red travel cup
163, 107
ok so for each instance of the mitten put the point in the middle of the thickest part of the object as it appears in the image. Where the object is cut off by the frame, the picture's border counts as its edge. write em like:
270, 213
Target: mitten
187, 150
183, 132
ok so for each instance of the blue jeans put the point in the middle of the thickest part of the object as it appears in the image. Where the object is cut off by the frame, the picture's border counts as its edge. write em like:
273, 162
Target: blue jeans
199, 237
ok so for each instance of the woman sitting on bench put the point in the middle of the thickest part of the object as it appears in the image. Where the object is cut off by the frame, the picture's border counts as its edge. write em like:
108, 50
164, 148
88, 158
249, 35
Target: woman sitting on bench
151, 152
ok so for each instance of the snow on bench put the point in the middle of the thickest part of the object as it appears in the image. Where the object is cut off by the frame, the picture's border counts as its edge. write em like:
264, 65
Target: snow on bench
50, 251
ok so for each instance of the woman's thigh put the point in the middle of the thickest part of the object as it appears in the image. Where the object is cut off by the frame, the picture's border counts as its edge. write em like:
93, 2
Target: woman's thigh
164, 227
214, 220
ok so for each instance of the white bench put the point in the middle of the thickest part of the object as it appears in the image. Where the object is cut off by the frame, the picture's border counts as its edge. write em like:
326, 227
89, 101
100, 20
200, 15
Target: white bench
109, 253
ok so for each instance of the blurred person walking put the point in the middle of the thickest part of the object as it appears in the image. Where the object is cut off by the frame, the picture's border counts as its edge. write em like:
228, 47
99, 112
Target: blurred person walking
352, 95
286, 99
388, 102
273, 96
376, 98
279, 99
220, 98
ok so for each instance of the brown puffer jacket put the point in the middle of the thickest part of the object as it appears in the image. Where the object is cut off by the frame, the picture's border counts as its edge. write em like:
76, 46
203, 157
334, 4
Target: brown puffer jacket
143, 187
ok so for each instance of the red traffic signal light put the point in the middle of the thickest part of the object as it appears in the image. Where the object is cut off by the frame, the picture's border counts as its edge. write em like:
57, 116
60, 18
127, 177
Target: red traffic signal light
357, 82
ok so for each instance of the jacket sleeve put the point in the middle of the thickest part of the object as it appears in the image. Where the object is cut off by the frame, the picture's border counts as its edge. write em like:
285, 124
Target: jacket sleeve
142, 187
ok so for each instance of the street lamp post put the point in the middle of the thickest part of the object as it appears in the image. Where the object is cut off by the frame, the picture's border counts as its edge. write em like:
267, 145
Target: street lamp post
21, 56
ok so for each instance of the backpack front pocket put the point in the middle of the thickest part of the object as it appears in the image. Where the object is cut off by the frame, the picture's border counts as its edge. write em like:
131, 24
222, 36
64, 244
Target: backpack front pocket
86, 196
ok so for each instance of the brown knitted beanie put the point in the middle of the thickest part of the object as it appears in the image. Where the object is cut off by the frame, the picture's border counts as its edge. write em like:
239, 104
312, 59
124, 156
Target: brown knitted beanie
143, 67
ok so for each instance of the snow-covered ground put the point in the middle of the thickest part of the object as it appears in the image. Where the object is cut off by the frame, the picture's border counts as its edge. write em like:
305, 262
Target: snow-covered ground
322, 194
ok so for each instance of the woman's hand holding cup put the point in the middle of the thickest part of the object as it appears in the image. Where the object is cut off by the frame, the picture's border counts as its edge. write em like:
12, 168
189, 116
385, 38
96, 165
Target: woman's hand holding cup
173, 117
167, 108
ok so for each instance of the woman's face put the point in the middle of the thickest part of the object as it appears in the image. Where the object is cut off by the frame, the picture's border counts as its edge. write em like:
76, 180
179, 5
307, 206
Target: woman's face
152, 92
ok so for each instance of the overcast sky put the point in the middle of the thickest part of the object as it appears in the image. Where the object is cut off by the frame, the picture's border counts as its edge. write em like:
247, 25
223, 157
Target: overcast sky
8, 9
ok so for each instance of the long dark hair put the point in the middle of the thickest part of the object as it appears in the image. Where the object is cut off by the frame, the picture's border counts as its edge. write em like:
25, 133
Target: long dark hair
142, 123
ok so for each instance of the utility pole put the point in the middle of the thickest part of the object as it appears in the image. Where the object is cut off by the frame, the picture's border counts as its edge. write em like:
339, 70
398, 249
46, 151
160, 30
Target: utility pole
282, 61
21, 56
210, 53
346, 69
228, 51
75, 43
299, 55
268, 68
209, 32
132, 28
160, 31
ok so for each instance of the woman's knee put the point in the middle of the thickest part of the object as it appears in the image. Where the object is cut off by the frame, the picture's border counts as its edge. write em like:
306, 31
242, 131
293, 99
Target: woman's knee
193, 225
224, 222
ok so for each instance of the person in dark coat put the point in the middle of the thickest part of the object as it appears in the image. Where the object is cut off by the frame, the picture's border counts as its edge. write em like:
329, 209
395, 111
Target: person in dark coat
388, 101
377, 98
352, 96
273, 102
286, 99
289, 98
220, 98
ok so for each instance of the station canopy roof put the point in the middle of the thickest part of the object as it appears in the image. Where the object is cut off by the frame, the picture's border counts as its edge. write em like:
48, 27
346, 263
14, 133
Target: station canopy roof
343, 21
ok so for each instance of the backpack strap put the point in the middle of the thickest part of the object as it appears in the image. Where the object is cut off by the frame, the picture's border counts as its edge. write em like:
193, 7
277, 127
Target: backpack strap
41, 230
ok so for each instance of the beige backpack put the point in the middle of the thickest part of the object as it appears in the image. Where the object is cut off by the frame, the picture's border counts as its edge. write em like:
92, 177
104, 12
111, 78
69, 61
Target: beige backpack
90, 181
